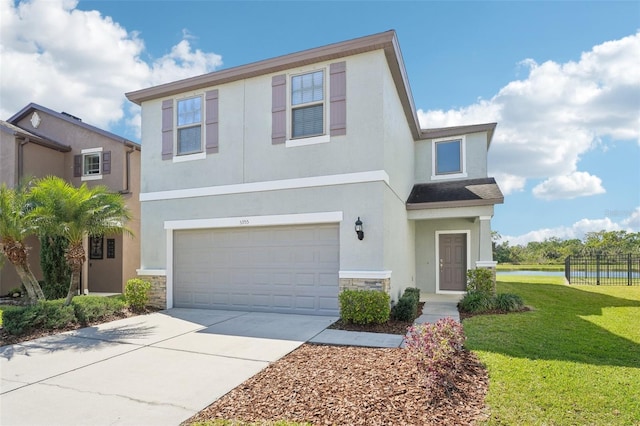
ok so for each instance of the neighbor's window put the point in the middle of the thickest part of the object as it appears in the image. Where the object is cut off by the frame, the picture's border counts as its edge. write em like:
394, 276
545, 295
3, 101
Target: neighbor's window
448, 157
91, 164
189, 122
307, 105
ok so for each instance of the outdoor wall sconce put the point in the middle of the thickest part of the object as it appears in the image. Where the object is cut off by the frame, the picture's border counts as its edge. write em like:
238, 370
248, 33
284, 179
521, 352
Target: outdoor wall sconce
359, 230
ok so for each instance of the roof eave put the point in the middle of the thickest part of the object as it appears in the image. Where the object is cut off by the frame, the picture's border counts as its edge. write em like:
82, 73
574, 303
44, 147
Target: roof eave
386, 41
444, 132
453, 204
33, 106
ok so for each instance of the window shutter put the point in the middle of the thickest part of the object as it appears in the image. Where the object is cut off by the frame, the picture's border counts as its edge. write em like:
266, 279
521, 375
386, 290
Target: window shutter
77, 165
167, 129
278, 109
211, 121
106, 162
338, 99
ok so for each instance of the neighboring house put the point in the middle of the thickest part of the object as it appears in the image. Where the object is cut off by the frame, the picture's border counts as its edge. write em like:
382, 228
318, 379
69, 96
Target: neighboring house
254, 178
38, 142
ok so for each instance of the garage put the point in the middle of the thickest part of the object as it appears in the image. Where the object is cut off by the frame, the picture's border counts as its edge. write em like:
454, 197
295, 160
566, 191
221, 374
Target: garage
286, 269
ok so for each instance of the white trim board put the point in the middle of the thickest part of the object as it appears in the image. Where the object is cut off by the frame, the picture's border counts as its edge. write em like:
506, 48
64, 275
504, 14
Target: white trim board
273, 185
365, 275
152, 272
249, 221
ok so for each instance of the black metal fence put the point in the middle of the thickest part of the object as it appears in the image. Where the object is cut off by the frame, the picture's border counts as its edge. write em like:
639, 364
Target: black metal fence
603, 269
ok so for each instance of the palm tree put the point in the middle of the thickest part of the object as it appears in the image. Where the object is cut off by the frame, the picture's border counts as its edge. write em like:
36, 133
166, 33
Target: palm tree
60, 209
15, 227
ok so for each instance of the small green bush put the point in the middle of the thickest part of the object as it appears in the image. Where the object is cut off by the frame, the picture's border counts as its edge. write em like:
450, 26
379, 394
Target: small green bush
136, 293
47, 315
476, 302
508, 302
364, 306
16, 290
54, 291
407, 307
89, 309
480, 280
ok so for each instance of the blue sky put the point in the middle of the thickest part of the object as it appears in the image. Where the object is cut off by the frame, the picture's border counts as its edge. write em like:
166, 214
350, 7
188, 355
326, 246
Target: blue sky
561, 78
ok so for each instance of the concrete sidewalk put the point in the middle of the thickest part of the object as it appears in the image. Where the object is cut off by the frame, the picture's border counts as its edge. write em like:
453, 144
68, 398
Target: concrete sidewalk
155, 369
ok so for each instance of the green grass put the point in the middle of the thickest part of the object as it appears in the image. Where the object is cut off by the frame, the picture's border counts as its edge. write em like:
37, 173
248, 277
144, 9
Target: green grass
573, 360
528, 267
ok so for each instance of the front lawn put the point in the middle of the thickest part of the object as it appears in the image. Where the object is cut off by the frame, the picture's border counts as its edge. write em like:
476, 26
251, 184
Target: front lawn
573, 359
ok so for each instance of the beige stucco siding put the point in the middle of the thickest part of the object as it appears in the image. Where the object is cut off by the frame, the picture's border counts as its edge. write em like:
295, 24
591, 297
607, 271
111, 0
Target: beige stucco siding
8, 159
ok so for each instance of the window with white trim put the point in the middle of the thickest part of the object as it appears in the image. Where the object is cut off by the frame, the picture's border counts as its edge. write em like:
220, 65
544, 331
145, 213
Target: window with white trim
189, 126
91, 164
307, 105
448, 158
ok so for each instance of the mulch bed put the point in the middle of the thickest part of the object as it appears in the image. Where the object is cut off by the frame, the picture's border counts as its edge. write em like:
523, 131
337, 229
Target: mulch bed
328, 385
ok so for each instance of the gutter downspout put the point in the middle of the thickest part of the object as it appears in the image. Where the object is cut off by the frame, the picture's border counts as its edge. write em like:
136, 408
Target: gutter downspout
126, 190
21, 159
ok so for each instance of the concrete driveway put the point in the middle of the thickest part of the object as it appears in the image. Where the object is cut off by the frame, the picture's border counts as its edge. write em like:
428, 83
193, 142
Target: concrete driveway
156, 369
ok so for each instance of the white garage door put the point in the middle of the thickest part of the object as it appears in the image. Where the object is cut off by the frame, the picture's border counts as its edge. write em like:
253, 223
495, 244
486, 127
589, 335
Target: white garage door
289, 269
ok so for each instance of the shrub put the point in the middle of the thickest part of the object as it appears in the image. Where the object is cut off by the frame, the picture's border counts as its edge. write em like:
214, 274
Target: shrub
413, 292
16, 290
437, 348
480, 280
46, 314
508, 302
96, 308
476, 302
136, 293
55, 269
364, 306
407, 307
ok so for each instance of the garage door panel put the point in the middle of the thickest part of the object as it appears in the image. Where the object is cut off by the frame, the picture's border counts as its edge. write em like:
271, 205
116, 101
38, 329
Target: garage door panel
282, 269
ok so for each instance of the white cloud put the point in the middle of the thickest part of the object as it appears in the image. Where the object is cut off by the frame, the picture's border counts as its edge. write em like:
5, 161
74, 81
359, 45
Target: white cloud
557, 113
633, 221
53, 54
579, 229
576, 184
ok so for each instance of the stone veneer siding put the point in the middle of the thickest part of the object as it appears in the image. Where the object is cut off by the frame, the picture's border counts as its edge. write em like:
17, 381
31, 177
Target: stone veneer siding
365, 284
158, 293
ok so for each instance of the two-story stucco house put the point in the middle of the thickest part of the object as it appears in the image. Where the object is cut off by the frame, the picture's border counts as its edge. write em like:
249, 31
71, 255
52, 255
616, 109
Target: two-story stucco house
38, 142
254, 180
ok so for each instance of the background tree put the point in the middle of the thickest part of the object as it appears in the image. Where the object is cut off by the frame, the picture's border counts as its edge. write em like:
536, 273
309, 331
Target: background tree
72, 213
55, 270
555, 250
15, 227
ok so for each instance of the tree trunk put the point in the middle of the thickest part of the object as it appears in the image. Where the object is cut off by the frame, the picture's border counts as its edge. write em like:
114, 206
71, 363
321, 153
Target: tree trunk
75, 258
34, 291
73, 286
16, 252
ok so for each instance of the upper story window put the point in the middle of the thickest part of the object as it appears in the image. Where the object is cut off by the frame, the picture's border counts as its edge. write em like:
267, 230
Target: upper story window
189, 126
448, 158
310, 107
91, 164
307, 105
